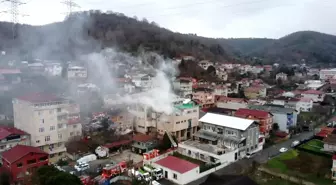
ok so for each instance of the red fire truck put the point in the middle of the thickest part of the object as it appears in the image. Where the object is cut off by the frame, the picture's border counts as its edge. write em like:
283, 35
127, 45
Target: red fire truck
114, 170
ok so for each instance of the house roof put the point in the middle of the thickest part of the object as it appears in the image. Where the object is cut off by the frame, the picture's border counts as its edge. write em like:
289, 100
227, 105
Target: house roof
226, 121
10, 71
250, 112
272, 108
142, 138
176, 164
284, 98
19, 151
312, 92
329, 138
6, 131
40, 98
222, 98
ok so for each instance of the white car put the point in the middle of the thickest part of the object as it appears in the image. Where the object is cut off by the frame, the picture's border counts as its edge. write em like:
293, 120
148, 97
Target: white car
82, 166
250, 155
295, 143
282, 150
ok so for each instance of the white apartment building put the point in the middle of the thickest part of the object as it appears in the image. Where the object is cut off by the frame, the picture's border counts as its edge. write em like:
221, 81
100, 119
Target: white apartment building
205, 64
281, 76
327, 73
50, 121
184, 85
142, 80
182, 122
77, 72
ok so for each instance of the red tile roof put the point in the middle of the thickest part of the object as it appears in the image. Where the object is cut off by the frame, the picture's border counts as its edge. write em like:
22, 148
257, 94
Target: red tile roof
142, 138
118, 143
312, 92
19, 151
222, 98
40, 98
253, 89
244, 113
7, 131
176, 164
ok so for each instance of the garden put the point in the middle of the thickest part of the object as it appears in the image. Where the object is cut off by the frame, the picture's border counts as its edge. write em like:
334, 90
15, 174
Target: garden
314, 146
303, 165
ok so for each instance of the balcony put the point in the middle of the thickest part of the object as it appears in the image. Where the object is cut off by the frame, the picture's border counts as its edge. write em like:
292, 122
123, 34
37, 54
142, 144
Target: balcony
56, 150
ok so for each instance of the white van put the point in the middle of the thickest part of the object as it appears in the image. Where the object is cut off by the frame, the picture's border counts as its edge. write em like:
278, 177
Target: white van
82, 166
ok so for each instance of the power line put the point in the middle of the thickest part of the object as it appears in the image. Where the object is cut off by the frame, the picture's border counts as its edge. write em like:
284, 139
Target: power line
14, 11
71, 5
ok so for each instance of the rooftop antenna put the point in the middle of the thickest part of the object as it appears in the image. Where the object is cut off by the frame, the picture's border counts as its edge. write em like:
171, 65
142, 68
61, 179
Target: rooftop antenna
71, 5
14, 11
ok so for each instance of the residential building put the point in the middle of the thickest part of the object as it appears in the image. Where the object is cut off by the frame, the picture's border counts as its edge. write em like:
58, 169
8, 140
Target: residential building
142, 80
255, 92
10, 76
229, 133
230, 103
143, 143
222, 74
48, 120
74, 126
22, 161
220, 90
257, 69
178, 170
204, 96
125, 85
330, 142
184, 85
77, 72
263, 118
10, 137
54, 69
306, 104
313, 84
268, 68
205, 64
327, 73
182, 122
288, 102
284, 117
333, 169
281, 76
316, 96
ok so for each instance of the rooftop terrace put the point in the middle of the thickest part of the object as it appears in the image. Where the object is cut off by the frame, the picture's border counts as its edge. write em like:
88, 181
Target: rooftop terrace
186, 105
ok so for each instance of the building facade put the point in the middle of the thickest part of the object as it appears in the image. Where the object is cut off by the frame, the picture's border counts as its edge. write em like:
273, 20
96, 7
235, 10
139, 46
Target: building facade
184, 85
327, 73
77, 72
46, 118
21, 161
229, 133
10, 137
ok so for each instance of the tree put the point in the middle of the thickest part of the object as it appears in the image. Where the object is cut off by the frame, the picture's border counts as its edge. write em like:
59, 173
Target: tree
105, 124
49, 175
211, 70
5, 178
166, 144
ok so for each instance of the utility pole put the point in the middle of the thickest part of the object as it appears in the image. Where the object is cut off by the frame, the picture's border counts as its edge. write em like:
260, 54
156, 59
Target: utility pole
14, 11
71, 5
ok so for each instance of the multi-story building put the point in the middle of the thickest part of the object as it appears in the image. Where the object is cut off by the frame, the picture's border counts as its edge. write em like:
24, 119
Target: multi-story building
50, 120
205, 64
316, 96
284, 117
184, 85
255, 92
263, 118
204, 96
281, 76
21, 162
229, 133
230, 103
327, 73
77, 72
182, 122
10, 137
142, 80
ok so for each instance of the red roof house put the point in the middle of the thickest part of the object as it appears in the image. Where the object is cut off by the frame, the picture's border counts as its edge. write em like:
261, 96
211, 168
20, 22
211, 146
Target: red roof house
23, 160
178, 170
264, 118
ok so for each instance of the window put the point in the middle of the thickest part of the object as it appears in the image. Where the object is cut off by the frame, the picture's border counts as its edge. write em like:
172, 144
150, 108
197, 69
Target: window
31, 161
47, 138
71, 133
59, 126
51, 111
189, 152
59, 136
41, 129
59, 144
175, 176
75, 126
59, 109
39, 113
42, 120
19, 165
52, 127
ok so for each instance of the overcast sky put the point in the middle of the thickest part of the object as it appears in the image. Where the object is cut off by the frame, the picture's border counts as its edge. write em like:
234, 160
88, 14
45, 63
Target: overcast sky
210, 18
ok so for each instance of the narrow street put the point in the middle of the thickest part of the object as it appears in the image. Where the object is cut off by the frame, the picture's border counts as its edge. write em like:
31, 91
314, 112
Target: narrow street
262, 156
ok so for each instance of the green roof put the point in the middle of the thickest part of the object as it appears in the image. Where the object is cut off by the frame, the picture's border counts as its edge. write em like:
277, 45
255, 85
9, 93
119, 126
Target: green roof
186, 106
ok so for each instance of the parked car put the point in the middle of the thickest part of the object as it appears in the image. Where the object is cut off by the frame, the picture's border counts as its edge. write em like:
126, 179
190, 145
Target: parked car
282, 150
250, 155
154, 182
295, 143
82, 166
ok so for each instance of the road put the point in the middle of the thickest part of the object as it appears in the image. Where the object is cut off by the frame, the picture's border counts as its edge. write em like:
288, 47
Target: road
262, 156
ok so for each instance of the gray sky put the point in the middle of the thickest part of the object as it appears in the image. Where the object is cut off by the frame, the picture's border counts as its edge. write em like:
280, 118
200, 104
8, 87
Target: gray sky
210, 18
